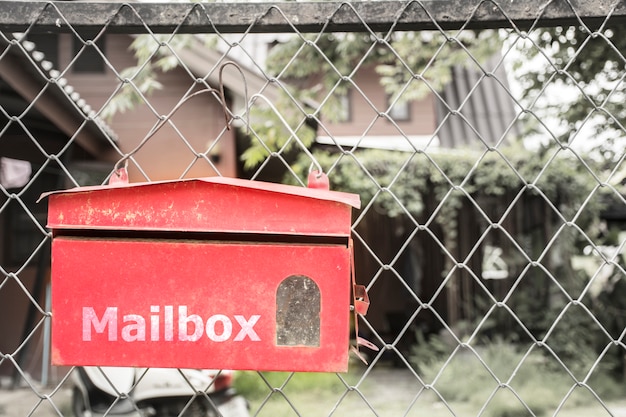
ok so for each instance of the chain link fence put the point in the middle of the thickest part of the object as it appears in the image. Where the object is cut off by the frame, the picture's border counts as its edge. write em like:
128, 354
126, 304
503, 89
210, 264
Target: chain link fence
485, 139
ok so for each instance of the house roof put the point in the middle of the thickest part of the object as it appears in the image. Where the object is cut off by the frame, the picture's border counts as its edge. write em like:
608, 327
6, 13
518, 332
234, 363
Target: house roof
25, 69
475, 108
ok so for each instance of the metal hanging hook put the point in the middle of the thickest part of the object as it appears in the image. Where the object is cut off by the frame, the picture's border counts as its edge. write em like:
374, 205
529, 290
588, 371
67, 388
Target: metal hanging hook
162, 120
245, 89
319, 170
119, 174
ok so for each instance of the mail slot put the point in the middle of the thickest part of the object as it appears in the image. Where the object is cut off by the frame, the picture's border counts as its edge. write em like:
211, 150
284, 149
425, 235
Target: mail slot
202, 273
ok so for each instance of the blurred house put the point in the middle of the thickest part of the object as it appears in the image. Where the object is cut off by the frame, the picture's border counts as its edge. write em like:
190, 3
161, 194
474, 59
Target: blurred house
54, 87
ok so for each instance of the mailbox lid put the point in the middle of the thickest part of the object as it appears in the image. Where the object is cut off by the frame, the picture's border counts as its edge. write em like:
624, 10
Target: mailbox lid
215, 204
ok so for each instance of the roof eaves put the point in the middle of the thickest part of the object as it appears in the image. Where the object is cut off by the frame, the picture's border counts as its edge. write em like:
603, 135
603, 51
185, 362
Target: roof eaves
42, 73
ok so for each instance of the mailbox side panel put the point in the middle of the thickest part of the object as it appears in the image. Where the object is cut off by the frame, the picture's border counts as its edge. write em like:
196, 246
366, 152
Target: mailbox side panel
194, 304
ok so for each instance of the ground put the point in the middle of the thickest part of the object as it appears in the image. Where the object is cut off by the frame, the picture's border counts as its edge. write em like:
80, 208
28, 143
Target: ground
389, 393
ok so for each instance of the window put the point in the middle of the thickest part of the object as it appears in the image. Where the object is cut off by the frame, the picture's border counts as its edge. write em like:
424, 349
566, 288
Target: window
89, 61
345, 107
400, 111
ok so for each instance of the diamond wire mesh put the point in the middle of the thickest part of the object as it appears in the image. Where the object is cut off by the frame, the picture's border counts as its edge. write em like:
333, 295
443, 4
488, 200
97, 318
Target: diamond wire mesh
490, 242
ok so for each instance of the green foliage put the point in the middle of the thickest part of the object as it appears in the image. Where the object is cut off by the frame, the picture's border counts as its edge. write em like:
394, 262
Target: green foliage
591, 67
410, 64
256, 385
316, 72
535, 398
394, 182
154, 54
506, 381
314, 66
467, 375
390, 177
430, 57
319, 70
428, 350
272, 130
434, 187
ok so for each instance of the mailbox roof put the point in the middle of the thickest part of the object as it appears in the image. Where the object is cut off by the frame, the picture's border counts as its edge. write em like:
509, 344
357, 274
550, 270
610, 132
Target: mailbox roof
213, 204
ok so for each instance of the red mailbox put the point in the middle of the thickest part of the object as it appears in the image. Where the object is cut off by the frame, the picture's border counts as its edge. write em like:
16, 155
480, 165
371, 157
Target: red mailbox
204, 273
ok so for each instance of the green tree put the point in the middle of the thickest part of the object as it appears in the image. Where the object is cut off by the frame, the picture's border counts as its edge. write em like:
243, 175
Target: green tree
316, 72
585, 67
319, 70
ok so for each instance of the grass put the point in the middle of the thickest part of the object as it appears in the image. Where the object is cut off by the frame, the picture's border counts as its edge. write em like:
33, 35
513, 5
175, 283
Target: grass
466, 382
390, 393
280, 394
368, 402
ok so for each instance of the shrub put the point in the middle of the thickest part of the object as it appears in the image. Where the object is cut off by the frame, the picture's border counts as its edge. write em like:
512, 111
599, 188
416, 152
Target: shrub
536, 397
474, 374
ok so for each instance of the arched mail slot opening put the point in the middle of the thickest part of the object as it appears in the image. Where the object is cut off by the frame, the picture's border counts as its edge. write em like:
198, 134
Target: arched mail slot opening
298, 312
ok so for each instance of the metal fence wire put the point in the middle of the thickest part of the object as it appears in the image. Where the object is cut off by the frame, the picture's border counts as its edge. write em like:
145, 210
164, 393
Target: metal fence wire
485, 139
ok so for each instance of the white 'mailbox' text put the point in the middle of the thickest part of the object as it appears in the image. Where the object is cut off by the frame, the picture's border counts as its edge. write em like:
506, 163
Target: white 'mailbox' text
162, 326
